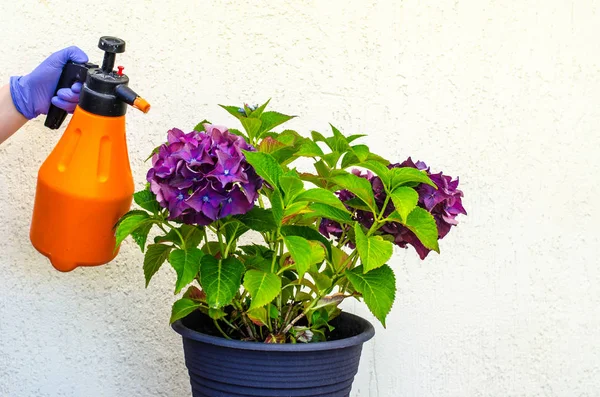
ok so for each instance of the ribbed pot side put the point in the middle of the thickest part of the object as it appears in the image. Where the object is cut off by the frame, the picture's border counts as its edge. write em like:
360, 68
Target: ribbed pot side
219, 367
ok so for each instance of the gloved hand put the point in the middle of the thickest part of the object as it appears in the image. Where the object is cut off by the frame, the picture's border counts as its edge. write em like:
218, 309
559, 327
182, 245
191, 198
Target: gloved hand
33, 93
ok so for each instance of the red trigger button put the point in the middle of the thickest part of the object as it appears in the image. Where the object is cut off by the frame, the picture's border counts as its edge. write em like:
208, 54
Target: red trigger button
120, 72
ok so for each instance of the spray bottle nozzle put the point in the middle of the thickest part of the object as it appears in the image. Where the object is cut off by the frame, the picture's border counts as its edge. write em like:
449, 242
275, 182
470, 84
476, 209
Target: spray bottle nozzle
129, 96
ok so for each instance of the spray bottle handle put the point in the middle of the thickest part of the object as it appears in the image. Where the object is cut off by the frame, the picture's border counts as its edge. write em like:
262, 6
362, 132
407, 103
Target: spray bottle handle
72, 72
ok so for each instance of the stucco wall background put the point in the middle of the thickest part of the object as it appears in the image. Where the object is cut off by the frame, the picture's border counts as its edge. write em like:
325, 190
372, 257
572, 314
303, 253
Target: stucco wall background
503, 94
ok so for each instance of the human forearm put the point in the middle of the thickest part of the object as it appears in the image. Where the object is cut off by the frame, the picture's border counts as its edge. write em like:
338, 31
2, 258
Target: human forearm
10, 118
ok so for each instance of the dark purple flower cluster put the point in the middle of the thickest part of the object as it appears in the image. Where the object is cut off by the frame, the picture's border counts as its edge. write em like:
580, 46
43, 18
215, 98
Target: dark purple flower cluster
444, 203
203, 176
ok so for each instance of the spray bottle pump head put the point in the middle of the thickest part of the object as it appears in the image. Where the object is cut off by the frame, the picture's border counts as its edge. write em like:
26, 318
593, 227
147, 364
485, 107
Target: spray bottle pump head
106, 91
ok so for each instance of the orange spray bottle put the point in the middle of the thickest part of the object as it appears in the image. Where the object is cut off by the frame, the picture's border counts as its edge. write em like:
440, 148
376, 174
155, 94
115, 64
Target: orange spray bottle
85, 185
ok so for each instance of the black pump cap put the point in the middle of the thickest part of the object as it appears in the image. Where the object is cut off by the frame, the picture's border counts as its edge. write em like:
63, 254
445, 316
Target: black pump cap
99, 94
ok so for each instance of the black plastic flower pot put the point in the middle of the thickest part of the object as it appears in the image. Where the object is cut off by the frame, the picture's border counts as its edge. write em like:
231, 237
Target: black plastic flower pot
219, 367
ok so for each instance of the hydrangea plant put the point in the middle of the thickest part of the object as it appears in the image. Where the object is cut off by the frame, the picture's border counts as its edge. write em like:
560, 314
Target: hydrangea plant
313, 239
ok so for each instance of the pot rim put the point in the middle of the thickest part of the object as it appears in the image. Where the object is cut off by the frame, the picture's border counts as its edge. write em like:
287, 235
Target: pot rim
365, 335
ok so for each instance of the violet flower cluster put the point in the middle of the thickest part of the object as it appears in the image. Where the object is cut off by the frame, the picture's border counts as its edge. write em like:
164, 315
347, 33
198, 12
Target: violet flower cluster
444, 204
203, 176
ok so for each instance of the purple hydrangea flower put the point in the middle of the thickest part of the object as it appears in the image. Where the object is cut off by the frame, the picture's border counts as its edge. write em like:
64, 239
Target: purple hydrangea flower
444, 204
203, 176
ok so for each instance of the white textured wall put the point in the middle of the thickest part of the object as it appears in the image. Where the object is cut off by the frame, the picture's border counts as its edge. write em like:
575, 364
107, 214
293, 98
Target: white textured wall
504, 94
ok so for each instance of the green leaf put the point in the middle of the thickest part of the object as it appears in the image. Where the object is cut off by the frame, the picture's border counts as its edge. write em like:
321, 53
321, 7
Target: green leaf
258, 219
374, 251
155, 256
329, 212
216, 314
251, 126
361, 151
322, 282
339, 259
323, 196
285, 155
234, 229
309, 148
200, 126
332, 158
357, 185
186, 263
338, 142
277, 206
259, 111
237, 132
140, 235
317, 137
291, 185
379, 169
182, 308
378, 288
400, 176
258, 316
405, 200
220, 279
129, 223
270, 145
147, 200
289, 137
354, 137
192, 235
271, 120
308, 233
266, 166
357, 203
233, 110
303, 252
422, 224
263, 287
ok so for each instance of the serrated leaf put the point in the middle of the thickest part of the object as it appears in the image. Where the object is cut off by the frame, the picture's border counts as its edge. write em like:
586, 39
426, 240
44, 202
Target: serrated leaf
378, 288
269, 145
405, 200
318, 137
357, 185
378, 169
263, 287
329, 212
221, 279
374, 252
332, 158
291, 185
361, 151
234, 111
423, 225
309, 148
234, 229
251, 126
400, 176
277, 206
271, 120
258, 316
155, 256
338, 142
288, 137
146, 200
192, 235
182, 308
322, 282
186, 264
339, 259
284, 155
323, 196
140, 235
259, 110
303, 252
308, 233
129, 223
265, 166
258, 219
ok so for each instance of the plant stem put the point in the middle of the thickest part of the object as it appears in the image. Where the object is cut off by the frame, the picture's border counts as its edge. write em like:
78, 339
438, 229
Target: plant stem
291, 324
220, 330
176, 231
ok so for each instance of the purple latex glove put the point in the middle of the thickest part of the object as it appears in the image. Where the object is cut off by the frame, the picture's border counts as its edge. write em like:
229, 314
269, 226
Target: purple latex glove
33, 93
